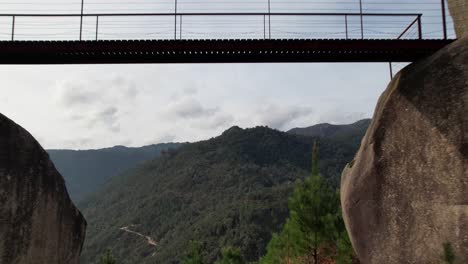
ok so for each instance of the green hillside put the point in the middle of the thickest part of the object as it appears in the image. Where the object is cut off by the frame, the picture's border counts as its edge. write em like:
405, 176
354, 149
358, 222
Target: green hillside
85, 171
230, 190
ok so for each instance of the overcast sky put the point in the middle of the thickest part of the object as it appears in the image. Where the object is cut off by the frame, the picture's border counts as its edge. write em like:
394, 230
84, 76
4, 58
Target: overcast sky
95, 106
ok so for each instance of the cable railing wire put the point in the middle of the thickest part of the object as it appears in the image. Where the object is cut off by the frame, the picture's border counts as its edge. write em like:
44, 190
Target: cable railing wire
429, 8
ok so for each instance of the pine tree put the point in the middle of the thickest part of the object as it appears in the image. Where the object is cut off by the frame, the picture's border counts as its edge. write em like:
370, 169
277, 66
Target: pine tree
231, 256
284, 247
315, 160
274, 251
107, 258
314, 225
195, 254
313, 207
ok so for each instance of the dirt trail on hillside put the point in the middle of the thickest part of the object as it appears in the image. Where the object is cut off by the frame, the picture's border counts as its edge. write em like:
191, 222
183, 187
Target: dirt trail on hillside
150, 240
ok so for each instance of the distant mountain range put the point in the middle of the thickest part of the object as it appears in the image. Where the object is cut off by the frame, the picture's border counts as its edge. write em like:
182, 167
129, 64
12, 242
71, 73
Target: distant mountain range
231, 190
353, 132
85, 171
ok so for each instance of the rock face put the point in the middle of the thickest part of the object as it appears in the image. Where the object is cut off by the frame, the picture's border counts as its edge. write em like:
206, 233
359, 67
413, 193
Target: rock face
406, 192
38, 222
459, 12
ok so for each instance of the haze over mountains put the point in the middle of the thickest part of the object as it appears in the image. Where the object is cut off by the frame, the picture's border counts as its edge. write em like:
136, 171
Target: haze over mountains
85, 170
231, 190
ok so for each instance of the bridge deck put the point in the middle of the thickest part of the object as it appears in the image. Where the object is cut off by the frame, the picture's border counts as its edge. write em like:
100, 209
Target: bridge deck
216, 51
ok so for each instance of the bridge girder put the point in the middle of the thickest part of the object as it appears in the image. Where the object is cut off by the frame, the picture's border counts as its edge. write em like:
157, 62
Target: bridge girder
216, 51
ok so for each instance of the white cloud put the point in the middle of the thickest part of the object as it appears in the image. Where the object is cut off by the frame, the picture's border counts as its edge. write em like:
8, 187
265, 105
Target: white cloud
190, 108
73, 94
96, 104
281, 116
108, 117
91, 108
216, 122
79, 93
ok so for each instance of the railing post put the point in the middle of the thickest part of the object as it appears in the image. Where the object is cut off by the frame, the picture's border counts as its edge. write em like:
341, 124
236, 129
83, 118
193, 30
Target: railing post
419, 27
391, 70
362, 20
13, 28
97, 26
81, 19
269, 19
346, 26
175, 19
444, 19
180, 28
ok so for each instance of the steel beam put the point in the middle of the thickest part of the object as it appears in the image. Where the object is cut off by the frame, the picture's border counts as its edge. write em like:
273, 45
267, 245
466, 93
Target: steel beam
216, 51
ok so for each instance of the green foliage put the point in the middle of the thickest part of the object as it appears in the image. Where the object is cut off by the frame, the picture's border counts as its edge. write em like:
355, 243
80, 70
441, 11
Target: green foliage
195, 254
231, 256
229, 190
449, 254
313, 210
283, 247
314, 226
344, 249
107, 258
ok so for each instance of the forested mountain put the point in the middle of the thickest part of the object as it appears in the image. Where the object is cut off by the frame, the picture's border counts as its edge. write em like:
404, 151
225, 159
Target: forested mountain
351, 133
231, 190
85, 171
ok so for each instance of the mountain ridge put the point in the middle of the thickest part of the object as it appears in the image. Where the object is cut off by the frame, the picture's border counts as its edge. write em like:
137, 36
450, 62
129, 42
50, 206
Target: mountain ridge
85, 171
230, 190
330, 130
117, 147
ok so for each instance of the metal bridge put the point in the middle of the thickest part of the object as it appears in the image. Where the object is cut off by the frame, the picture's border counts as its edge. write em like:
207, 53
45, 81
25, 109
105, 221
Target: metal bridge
350, 44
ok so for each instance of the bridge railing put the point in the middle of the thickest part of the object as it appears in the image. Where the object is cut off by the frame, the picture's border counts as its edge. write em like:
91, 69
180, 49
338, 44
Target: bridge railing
179, 25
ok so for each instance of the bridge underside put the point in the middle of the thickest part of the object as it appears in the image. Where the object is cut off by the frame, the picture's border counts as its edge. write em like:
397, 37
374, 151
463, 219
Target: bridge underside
215, 51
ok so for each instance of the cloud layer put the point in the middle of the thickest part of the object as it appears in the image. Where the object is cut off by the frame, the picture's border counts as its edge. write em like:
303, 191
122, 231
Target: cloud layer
95, 107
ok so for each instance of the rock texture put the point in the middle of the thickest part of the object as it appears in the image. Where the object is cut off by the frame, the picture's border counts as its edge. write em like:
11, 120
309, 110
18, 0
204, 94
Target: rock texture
406, 192
38, 222
459, 12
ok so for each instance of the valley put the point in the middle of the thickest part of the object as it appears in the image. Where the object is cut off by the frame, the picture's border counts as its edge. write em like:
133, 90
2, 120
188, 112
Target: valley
231, 190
